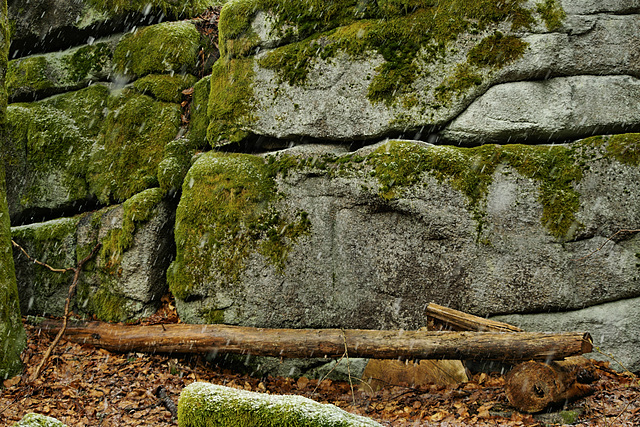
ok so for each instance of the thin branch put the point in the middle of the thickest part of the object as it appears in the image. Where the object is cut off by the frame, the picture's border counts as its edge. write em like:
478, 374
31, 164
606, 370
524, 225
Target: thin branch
35, 261
607, 241
72, 289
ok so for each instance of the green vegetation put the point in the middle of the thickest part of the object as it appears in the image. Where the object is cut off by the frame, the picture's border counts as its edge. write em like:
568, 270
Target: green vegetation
204, 405
232, 101
174, 166
552, 14
162, 48
625, 148
12, 336
199, 120
132, 141
87, 60
172, 8
30, 74
226, 213
165, 87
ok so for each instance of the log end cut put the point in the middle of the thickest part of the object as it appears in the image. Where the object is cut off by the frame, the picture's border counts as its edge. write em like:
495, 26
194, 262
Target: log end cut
533, 386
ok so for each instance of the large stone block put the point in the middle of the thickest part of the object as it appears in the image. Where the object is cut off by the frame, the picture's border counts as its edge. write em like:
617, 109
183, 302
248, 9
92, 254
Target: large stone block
362, 70
313, 238
124, 281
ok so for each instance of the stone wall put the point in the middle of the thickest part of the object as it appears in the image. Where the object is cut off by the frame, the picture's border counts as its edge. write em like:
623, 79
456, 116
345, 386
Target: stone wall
339, 165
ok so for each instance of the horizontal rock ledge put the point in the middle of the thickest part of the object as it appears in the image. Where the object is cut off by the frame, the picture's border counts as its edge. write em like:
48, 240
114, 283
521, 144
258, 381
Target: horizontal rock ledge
330, 343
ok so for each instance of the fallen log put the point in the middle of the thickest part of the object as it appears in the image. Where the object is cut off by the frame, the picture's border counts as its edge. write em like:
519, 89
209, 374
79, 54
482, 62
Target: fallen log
332, 343
533, 386
462, 321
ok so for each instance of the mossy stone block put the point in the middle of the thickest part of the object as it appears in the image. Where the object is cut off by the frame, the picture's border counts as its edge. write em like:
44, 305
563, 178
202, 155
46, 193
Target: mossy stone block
163, 48
165, 87
39, 76
210, 405
184, 9
199, 120
131, 145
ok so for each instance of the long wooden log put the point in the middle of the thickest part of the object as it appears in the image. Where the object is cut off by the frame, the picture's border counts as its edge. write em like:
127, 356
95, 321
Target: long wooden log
303, 343
462, 321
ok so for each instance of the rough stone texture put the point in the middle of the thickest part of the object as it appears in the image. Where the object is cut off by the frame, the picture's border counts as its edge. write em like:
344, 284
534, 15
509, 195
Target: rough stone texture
39, 76
124, 281
379, 250
614, 328
333, 101
549, 110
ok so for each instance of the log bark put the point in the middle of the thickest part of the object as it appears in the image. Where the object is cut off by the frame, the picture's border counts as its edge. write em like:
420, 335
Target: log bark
533, 386
460, 321
303, 343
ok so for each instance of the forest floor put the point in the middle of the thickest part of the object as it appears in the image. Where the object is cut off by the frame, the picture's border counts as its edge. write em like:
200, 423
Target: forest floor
85, 386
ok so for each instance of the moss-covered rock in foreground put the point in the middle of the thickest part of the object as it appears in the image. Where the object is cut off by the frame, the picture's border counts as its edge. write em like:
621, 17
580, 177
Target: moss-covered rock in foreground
210, 405
37, 420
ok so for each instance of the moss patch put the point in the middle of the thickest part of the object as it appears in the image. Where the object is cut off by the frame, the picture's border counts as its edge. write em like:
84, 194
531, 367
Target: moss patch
199, 120
203, 405
132, 142
162, 48
12, 336
164, 87
88, 60
26, 75
188, 8
552, 14
225, 214
232, 101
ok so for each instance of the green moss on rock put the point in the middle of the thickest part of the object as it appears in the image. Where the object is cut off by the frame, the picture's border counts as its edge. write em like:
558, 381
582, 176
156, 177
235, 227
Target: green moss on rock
132, 142
232, 101
162, 48
12, 336
226, 213
390, 31
164, 87
88, 60
30, 74
187, 8
37, 420
209, 405
199, 120
175, 165
552, 14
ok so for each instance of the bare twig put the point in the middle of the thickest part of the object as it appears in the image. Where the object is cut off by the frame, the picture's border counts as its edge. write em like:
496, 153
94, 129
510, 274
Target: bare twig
609, 239
35, 261
76, 270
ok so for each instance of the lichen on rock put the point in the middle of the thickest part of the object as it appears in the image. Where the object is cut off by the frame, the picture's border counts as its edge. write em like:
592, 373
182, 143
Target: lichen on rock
203, 404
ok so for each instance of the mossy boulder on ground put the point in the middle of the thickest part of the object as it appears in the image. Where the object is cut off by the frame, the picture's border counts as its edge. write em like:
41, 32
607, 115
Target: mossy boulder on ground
210, 405
39, 76
37, 420
360, 70
124, 281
